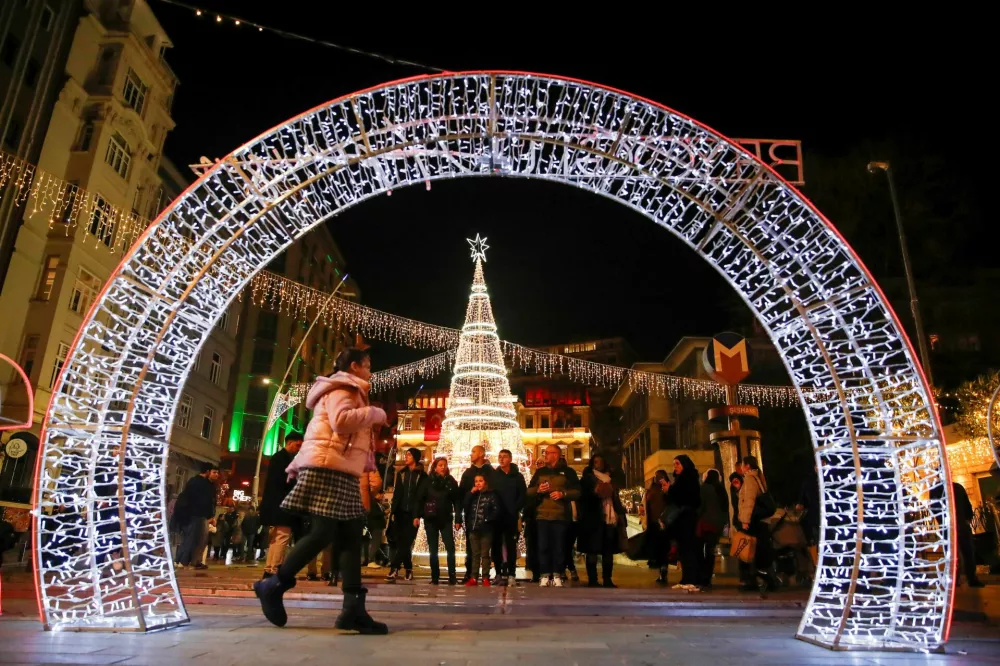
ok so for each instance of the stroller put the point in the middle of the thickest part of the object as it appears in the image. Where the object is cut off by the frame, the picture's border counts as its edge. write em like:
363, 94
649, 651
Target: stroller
791, 548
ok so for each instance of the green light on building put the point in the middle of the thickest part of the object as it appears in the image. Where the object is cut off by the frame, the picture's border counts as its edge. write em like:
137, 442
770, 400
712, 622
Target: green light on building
235, 430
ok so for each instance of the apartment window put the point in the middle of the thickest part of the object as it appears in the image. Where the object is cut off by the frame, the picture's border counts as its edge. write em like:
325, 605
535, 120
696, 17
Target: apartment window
61, 353
577, 420
9, 51
28, 352
184, 411
545, 421
31, 73
13, 134
206, 422
102, 221
260, 363
48, 279
118, 155
48, 17
86, 136
215, 370
134, 91
69, 196
529, 422
84, 291
257, 395
223, 323
577, 453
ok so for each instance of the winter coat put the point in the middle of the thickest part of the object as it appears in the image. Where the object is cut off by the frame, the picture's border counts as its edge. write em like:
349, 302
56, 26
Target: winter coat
376, 516
963, 507
510, 489
753, 485
276, 487
713, 509
197, 500
443, 493
223, 532
339, 436
250, 526
562, 479
481, 511
592, 527
404, 494
655, 504
734, 499
469, 479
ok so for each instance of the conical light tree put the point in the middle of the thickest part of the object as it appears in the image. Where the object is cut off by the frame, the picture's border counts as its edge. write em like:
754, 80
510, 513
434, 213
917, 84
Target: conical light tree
481, 407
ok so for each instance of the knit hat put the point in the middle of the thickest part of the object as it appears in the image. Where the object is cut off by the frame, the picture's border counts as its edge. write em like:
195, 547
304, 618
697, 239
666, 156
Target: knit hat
415, 452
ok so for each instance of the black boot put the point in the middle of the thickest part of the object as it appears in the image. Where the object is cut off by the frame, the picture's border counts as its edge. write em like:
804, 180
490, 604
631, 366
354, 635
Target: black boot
354, 617
270, 592
592, 573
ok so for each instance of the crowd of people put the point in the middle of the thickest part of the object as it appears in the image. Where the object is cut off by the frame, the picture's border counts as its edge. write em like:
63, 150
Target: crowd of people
323, 501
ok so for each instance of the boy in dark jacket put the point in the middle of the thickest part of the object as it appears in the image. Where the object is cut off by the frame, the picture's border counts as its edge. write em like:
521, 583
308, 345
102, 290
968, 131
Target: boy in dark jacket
481, 511
508, 483
404, 514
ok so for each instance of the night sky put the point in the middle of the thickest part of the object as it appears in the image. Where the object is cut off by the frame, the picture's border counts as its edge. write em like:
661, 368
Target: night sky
566, 265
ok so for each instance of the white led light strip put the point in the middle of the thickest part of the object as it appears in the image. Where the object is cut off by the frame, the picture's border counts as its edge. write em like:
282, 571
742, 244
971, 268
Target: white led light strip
886, 571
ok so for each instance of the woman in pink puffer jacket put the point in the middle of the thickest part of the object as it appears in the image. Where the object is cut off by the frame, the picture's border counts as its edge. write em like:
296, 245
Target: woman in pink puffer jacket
337, 452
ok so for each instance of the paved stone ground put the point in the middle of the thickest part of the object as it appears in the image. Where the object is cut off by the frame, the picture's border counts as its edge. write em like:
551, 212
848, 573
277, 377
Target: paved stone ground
642, 623
226, 635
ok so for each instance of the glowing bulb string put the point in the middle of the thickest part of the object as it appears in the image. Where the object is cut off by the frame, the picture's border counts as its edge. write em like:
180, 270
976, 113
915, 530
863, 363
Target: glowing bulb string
229, 19
66, 204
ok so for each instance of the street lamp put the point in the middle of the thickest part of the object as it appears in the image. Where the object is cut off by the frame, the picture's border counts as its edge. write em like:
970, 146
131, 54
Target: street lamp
925, 358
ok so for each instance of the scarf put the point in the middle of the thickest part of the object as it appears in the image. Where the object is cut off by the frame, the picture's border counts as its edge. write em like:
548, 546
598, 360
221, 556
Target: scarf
607, 504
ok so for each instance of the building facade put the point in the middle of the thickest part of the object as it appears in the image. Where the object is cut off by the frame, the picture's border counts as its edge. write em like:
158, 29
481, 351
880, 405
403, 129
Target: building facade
35, 39
265, 345
105, 135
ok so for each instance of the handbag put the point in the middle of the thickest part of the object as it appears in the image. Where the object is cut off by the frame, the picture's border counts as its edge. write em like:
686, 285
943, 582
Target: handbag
764, 505
670, 515
743, 546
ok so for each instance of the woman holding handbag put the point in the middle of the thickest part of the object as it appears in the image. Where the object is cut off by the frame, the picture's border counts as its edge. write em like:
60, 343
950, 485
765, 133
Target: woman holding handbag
756, 505
713, 514
328, 468
439, 506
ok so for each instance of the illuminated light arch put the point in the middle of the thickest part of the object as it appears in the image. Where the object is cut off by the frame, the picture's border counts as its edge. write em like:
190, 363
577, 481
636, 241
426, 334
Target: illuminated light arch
886, 571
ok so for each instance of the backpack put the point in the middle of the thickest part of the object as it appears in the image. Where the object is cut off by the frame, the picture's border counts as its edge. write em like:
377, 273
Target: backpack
764, 505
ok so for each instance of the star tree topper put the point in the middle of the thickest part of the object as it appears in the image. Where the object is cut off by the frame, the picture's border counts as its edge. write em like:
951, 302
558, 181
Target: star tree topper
479, 247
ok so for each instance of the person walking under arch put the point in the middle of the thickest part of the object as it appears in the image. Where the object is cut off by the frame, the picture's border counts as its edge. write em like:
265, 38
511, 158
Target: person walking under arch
335, 455
280, 524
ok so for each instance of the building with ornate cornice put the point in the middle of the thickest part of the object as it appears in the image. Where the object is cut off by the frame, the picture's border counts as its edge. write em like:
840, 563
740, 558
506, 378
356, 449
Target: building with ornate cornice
105, 134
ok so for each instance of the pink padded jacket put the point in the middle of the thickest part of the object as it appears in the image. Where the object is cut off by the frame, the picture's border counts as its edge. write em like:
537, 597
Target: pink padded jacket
339, 436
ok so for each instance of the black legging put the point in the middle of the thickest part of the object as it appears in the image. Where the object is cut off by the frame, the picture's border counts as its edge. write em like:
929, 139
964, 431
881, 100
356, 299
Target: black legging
687, 547
345, 535
609, 539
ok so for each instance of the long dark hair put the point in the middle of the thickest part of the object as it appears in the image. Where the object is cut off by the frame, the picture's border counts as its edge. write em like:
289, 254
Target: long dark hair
714, 479
687, 466
349, 356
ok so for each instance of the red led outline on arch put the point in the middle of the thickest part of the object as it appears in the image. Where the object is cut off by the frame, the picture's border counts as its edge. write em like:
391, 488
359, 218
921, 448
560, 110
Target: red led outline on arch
31, 397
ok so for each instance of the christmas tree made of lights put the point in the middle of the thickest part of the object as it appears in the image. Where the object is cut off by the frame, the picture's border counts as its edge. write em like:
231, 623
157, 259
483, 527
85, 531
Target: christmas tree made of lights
481, 407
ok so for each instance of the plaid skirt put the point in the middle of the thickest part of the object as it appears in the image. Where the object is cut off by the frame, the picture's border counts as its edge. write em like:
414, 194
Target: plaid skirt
325, 492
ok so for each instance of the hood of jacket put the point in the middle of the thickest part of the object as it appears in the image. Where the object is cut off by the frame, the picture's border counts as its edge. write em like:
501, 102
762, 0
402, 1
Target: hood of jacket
335, 381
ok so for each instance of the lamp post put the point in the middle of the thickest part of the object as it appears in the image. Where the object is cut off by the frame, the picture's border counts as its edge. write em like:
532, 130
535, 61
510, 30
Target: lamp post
918, 322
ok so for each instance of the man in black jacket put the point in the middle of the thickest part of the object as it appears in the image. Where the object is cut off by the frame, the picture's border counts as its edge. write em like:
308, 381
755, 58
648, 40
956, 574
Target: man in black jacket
479, 466
281, 524
404, 514
508, 483
194, 507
